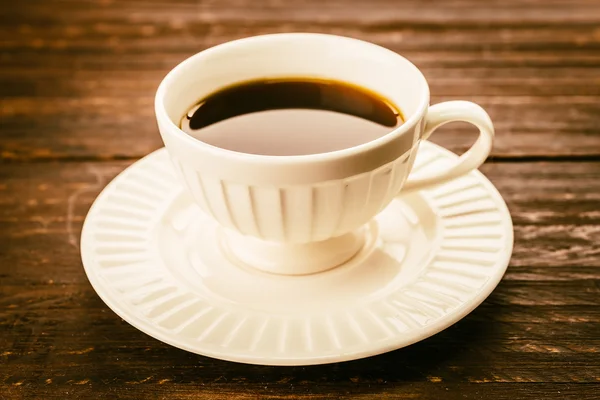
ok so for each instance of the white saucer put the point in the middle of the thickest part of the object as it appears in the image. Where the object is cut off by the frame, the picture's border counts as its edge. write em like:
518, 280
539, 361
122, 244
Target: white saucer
431, 257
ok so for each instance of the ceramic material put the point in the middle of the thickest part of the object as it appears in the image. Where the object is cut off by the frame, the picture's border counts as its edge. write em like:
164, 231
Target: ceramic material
301, 211
429, 258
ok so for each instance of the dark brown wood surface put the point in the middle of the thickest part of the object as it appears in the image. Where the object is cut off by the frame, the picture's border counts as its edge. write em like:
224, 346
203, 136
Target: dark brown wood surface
77, 80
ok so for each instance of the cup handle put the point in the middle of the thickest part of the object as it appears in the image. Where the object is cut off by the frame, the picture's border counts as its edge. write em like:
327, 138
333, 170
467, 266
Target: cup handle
451, 111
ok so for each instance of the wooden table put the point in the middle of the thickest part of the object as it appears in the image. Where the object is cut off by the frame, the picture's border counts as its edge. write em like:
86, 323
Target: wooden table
77, 80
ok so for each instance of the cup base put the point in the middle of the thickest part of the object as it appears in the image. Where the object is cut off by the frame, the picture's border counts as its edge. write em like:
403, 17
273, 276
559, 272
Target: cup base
291, 259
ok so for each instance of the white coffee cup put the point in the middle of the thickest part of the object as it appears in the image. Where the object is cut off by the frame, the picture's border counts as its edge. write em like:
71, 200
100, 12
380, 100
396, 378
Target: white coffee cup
303, 214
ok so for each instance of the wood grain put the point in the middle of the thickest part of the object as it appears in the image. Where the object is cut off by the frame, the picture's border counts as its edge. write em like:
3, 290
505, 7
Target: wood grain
540, 325
77, 80
124, 127
86, 76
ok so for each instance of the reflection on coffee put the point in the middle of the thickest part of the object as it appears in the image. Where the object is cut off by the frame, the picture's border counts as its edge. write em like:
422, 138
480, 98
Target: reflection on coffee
290, 117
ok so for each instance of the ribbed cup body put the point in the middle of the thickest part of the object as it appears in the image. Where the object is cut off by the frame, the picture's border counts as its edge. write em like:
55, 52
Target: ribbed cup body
297, 213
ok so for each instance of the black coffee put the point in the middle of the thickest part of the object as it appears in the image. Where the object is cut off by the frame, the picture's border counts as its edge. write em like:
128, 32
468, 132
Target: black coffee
290, 117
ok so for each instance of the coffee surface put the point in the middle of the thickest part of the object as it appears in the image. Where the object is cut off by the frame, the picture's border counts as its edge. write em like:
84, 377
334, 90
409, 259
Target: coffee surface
290, 117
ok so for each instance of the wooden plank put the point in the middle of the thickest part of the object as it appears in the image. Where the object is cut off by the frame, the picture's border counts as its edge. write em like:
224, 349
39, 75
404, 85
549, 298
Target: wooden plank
86, 76
459, 12
551, 197
267, 390
161, 36
540, 325
518, 84
97, 59
553, 206
477, 350
43, 128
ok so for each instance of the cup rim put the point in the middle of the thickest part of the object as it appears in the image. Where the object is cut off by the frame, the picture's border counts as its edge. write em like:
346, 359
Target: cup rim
404, 128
